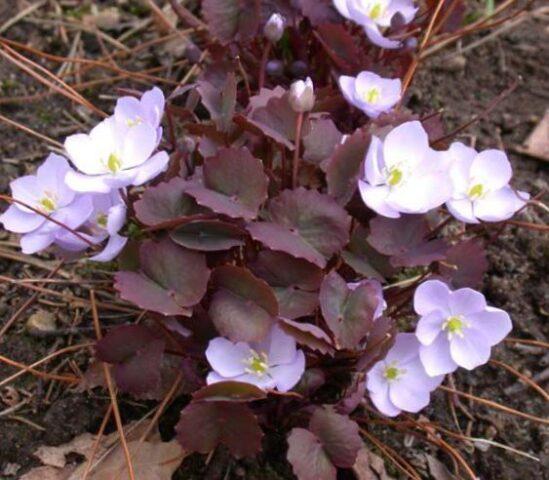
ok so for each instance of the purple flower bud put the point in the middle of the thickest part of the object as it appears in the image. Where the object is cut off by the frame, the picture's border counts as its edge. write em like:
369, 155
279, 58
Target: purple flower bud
274, 28
302, 95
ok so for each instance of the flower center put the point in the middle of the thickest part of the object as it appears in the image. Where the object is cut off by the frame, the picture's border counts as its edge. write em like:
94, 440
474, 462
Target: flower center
476, 191
134, 122
454, 325
393, 373
376, 11
394, 177
114, 163
101, 220
47, 204
371, 95
257, 363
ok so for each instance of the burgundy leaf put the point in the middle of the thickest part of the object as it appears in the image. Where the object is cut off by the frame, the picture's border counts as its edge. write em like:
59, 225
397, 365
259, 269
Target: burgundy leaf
321, 141
305, 224
341, 47
353, 395
404, 240
229, 392
164, 202
234, 184
465, 264
348, 312
231, 20
343, 168
171, 279
308, 335
220, 100
209, 235
319, 11
338, 434
294, 281
380, 340
136, 353
243, 307
307, 457
205, 425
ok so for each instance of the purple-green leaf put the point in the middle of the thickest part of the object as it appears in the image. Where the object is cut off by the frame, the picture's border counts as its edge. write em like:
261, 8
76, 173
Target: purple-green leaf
229, 392
349, 313
205, 425
231, 20
171, 279
308, 458
295, 282
465, 264
209, 235
305, 224
308, 335
321, 141
244, 307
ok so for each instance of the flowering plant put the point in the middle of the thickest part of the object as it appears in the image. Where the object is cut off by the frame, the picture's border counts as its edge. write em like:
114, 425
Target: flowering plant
263, 232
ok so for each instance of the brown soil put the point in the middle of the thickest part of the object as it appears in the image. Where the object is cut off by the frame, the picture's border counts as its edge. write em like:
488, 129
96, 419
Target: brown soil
516, 280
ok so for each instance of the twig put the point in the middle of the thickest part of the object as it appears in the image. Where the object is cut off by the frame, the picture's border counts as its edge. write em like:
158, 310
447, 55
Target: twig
112, 393
97, 441
22, 14
523, 377
295, 163
30, 131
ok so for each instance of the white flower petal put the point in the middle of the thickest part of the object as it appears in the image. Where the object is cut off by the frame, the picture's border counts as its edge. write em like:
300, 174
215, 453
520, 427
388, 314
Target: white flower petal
155, 165
87, 183
376, 199
471, 350
430, 326
462, 209
227, 358
35, 242
286, 376
436, 358
18, 221
405, 349
492, 169
493, 323
279, 347
466, 301
114, 246
373, 164
497, 205
406, 144
432, 295
383, 403
376, 37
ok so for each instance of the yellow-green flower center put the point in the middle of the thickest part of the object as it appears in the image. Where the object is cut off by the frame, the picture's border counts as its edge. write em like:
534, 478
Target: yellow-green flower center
114, 163
372, 95
134, 122
101, 220
454, 325
476, 191
395, 176
257, 364
392, 372
47, 205
376, 11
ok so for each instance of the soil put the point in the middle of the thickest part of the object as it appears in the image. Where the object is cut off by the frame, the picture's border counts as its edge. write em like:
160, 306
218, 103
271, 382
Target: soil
460, 84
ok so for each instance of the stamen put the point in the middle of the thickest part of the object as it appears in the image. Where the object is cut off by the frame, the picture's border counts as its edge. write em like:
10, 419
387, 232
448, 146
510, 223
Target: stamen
47, 204
372, 95
454, 325
258, 363
114, 163
101, 220
392, 373
476, 191
395, 176
376, 11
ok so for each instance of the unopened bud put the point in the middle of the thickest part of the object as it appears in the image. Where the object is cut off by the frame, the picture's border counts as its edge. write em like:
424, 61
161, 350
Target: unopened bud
274, 28
302, 95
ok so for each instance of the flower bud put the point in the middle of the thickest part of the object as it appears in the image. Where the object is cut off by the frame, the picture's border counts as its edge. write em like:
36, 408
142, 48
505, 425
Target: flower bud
302, 95
274, 28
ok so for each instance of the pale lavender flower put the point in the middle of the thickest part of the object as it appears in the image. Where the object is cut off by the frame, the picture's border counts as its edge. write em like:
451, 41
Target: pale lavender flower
480, 185
114, 155
456, 328
105, 222
371, 93
272, 363
149, 109
274, 28
375, 16
46, 192
302, 95
399, 382
402, 174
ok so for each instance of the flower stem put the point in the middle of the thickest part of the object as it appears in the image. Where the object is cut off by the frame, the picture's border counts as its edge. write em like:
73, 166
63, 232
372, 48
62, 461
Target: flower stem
295, 164
263, 65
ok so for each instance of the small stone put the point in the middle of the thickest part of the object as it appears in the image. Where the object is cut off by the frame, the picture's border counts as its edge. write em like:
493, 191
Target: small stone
41, 323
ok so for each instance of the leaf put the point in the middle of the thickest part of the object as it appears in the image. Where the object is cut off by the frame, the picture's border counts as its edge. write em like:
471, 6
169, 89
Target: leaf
277, 120
343, 168
404, 240
231, 20
537, 143
465, 264
340, 46
295, 282
234, 184
219, 99
380, 340
349, 313
309, 335
331, 441
243, 307
307, 457
56, 456
321, 141
230, 392
205, 425
208, 235
338, 434
164, 202
438, 469
136, 353
171, 279
363, 259
305, 224
369, 466
354, 395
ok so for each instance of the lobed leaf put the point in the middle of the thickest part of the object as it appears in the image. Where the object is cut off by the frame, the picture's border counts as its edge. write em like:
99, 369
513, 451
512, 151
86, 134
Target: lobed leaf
231, 20
307, 457
465, 264
171, 279
230, 392
321, 141
205, 425
209, 235
219, 99
305, 224
308, 335
243, 307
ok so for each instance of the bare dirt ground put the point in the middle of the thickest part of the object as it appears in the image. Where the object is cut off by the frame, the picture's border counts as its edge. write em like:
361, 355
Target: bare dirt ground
35, 412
